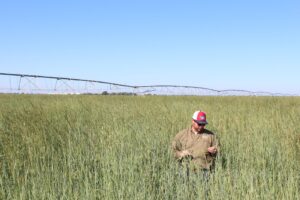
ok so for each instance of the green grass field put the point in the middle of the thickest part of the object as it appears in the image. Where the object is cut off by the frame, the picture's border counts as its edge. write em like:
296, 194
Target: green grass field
118, 147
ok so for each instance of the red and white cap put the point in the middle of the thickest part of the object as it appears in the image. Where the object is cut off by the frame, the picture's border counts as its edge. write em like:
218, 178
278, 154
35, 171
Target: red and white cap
200, 117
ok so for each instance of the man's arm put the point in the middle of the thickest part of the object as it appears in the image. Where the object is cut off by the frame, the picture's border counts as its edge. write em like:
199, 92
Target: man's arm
215, 148
178, 150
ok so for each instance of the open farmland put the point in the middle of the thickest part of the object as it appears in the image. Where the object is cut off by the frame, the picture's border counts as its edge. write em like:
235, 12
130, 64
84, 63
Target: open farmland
118, 147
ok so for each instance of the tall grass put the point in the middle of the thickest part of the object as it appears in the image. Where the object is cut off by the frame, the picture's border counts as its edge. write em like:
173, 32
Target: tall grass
118, 147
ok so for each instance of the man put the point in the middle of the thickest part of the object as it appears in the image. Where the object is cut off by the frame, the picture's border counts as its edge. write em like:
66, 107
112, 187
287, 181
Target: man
196, 146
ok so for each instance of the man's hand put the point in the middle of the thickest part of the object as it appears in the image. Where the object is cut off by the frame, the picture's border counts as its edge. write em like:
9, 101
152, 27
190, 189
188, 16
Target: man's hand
185, 153
212, 150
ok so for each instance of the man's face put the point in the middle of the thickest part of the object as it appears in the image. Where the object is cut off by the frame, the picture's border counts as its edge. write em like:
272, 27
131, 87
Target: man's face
198, 127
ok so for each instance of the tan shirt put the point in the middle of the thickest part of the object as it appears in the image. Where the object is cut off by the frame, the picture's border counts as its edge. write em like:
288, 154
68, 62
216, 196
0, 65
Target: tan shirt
196, 144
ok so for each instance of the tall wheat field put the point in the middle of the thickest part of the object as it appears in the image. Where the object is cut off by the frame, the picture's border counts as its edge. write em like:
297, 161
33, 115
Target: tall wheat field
118, 147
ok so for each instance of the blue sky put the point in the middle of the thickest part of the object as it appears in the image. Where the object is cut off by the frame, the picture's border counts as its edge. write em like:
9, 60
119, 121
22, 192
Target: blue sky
252, 45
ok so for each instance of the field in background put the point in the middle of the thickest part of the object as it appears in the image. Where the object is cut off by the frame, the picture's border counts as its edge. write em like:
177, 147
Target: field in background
118, 147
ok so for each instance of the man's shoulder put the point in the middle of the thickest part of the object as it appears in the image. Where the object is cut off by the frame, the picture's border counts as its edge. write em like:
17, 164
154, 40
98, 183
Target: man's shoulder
183, 132
186, 130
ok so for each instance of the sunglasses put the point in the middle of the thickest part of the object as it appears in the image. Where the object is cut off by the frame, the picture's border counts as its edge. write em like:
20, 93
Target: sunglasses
199, 124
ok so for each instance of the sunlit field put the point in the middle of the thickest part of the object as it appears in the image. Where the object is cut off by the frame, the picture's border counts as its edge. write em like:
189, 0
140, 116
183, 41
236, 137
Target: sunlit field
118, 147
